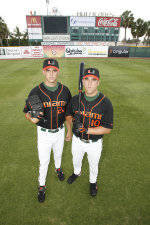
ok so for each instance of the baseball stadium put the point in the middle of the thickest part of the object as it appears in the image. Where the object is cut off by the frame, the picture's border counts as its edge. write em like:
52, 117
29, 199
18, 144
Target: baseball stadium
123, 171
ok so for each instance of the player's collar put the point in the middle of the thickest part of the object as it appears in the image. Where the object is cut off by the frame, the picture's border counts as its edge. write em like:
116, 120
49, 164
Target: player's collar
51, 88
90, 99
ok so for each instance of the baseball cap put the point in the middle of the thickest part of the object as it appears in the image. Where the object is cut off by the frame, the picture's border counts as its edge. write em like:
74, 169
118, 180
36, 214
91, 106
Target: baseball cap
91, 72
50, 63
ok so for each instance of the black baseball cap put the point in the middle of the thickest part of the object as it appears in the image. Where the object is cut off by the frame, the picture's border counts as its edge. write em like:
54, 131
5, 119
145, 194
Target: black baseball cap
93, 72
50, 63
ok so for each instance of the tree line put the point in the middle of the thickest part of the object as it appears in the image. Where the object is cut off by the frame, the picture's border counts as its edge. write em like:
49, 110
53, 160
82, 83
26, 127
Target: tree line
139, 28
15, 38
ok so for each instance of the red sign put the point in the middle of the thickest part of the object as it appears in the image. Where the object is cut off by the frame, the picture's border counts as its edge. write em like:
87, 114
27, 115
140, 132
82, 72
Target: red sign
33, 21
108, 21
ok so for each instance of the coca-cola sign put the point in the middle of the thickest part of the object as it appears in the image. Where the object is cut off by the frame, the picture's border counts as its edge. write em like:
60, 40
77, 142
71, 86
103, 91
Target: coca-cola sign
108, 21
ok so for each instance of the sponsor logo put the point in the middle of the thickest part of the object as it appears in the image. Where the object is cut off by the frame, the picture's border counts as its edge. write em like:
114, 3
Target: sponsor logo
82, 21
33, 20
108, 22
15, 51
76, 51
26, 52
118, 51
121, 51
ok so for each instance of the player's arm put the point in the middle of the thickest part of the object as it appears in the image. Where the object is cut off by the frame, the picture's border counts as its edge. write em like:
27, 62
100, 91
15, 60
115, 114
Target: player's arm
68, 121
106, 122
69, 129
98, 130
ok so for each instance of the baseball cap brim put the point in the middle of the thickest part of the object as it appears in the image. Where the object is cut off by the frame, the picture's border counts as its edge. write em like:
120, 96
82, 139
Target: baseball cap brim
45, 68
91, 75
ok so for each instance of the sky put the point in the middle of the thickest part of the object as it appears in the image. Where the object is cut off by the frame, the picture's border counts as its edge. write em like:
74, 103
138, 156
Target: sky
14, 12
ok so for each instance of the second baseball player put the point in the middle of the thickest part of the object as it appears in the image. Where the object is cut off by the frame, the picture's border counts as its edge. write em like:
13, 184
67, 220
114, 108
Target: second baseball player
89, 126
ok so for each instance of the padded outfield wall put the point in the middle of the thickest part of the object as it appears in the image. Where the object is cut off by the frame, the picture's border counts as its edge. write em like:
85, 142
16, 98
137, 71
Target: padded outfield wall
72, 51
139, 52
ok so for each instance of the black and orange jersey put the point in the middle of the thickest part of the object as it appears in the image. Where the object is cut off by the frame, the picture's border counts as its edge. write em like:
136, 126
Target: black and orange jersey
98, 112
54, 105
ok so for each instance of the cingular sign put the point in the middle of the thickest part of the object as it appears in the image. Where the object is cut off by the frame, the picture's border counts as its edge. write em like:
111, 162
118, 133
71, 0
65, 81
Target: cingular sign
108, 21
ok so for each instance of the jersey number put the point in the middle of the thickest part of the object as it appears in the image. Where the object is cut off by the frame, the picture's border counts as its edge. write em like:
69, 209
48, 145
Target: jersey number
60, 110
95, 123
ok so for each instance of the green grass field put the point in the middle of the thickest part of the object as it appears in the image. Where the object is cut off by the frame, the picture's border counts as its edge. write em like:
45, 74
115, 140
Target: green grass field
123, 195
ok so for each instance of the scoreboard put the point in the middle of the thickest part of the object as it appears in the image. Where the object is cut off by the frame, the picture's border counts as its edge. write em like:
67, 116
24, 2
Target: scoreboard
69, 28
55, 25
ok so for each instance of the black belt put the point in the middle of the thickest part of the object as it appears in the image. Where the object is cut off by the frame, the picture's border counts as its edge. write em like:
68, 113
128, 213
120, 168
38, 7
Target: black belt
86, 141
52, 130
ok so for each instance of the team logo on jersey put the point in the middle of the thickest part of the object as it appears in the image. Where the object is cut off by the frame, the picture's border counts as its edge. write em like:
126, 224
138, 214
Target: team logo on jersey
91, 115
59, 104
53, 104
95, 118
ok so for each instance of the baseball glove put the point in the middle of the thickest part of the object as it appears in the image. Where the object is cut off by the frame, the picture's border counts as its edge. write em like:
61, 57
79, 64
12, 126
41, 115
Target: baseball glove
36, 107
79, 128
78, 124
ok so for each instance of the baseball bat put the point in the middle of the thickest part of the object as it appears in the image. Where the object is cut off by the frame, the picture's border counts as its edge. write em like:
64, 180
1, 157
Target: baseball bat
80, 83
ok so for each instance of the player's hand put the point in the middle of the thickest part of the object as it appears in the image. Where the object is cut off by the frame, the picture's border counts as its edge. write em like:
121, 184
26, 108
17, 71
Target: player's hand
79, 128
78, 118
31, 119
28, 116
68, 136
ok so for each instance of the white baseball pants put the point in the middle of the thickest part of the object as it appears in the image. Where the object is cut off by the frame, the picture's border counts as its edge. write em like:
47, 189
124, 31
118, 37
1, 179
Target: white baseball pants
46, 141
93, 150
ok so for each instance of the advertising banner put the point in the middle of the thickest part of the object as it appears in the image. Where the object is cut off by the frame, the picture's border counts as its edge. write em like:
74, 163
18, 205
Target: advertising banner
35, 33
108, 21
82, 21
119, 51
75, 51
26, 52
21, 52
33, 21
54, 51
13, 52
97, 51
56, 37
37, 51
86, 51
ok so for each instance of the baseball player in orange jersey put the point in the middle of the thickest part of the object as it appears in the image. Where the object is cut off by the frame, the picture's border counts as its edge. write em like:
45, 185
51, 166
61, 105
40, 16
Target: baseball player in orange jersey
89, 126
54, 98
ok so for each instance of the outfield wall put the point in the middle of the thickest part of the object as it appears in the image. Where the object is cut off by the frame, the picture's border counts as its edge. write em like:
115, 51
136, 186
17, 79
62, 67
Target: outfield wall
72, 51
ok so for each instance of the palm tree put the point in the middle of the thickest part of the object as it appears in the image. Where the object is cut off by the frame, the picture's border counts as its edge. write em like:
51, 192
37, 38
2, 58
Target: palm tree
18, 34
127, 21
4, 32
25, 38
138, 28
147, 34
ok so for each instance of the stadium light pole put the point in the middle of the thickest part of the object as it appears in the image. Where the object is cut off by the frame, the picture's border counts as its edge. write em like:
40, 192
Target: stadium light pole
47, 3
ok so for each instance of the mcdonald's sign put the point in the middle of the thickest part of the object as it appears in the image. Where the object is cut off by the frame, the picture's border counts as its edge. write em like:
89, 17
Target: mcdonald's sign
33, 21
